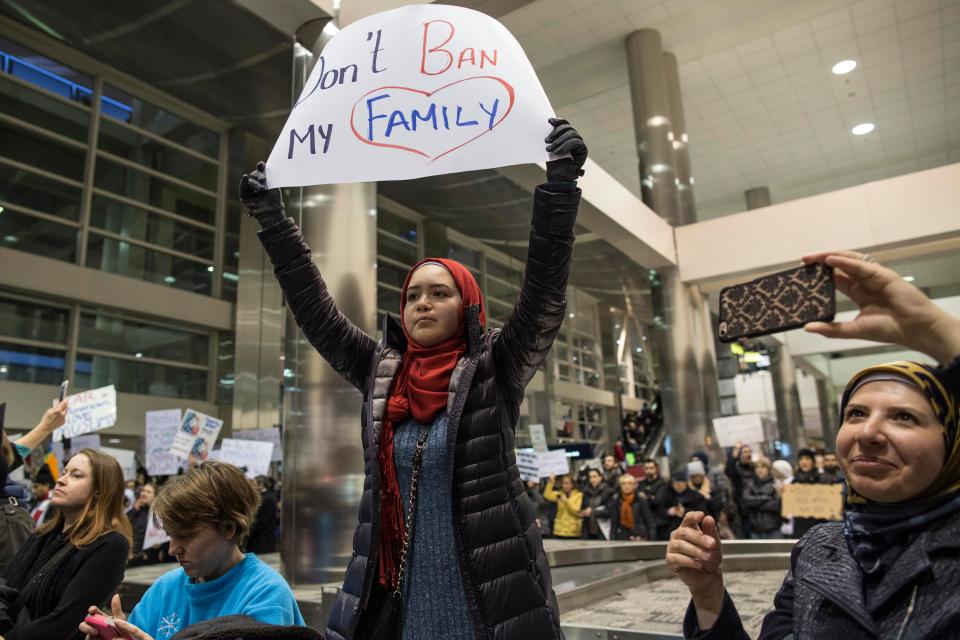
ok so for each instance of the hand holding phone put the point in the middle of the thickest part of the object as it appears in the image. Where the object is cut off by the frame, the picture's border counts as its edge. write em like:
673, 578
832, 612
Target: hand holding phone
105, 626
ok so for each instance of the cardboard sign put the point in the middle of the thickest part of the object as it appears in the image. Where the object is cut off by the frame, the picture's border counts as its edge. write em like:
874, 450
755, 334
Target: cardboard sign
127, 460
417, 91
535, 465
89, 411
161, 429
195, 438
264, 435
822, 501
251, 455
89, 441
747, 428
538, 438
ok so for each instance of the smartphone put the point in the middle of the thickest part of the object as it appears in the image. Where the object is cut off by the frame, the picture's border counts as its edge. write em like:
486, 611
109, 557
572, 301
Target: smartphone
105, 627
63, 390
777, 302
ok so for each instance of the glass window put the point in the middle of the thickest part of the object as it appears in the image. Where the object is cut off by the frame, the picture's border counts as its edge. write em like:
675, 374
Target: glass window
35, 235
32, 321
136, 376
26, 147
21, 363
120, 105
139, 186
468, 257
40, 109
390, 274
126, 143
397, 249
123, 258
502, 290
504, 272
225, 366
45, 73
127, 220
388, 300
130, 337
231, 252
41, 194
396, 225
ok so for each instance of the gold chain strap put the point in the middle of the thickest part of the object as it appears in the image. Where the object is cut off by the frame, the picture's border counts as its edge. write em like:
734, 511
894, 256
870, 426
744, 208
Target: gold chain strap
408, 529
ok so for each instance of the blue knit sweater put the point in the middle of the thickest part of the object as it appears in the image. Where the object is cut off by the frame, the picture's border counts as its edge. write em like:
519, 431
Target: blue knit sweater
435, 607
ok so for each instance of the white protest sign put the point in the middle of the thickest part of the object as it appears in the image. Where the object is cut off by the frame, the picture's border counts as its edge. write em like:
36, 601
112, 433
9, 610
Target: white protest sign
127, 460
91, 410
252, 455
161, 429
88, 441
538, 438
747, 428
417, 91
529, 465
264, 435
196, 436
154, 536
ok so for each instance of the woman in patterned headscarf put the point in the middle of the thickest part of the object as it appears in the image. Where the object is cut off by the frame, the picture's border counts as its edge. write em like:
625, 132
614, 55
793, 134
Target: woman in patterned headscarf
891, 569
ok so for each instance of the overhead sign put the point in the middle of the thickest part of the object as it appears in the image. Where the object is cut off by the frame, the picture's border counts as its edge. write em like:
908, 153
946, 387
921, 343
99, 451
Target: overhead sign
417, 91
821, 501
746, 429
88, 411
250, 455
161, 429
264, 435
196, 436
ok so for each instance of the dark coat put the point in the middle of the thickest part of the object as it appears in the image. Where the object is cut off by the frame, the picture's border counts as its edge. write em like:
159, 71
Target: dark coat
762, 503
505, 572
690, 500
596, 498
644, 525
822, 594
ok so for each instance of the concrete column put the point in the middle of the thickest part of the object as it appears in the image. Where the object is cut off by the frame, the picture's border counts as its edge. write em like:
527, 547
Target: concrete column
686, 206
757, 197
322, 455
789, 413
829, 411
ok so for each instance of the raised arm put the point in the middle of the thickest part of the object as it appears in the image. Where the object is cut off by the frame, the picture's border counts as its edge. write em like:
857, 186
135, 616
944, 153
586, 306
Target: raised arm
532, 327
51, 420
341, 343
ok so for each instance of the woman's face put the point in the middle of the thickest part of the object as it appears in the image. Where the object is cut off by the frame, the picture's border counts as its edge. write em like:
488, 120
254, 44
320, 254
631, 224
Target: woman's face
74, 487
594, 478
805, 463
890, 444
566, 484
204, 553
432, 307
763, 471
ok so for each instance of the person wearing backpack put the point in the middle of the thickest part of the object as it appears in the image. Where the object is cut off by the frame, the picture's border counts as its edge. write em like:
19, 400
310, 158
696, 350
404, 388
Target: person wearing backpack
15, 523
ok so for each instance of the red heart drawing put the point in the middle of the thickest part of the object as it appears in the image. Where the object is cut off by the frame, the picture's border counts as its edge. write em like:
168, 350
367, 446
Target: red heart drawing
428, 94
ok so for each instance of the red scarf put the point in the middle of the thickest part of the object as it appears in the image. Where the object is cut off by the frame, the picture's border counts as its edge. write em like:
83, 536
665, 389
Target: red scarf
419, 389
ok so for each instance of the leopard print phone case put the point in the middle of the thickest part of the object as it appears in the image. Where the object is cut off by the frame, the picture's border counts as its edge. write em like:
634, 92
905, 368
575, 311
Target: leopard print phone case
778, 302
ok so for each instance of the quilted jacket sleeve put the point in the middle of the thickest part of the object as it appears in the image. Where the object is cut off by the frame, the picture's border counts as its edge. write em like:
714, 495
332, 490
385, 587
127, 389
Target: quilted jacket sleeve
532, 327
341, 343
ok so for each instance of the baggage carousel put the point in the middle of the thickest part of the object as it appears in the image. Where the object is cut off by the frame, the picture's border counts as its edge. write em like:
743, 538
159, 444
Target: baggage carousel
606, 590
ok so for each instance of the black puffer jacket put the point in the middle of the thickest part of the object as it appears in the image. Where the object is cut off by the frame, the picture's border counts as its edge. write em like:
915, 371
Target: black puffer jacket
822, 596
505, 572
762, 503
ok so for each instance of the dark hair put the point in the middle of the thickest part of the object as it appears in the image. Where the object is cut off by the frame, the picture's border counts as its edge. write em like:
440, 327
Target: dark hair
651, 460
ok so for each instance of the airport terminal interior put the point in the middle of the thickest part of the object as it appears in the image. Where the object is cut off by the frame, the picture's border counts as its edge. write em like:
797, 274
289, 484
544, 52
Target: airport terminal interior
727, 139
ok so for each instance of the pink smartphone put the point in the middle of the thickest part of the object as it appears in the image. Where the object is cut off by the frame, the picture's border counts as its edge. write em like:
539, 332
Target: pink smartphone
105, 627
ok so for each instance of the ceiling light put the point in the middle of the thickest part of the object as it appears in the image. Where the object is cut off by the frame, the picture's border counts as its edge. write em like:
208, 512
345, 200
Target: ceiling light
1, 209
10, 239
169, 279
844, 66
909, 278
138, 355
210, 268
862, 129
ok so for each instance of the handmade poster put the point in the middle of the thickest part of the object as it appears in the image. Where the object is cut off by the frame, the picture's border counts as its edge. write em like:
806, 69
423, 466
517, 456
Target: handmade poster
250, 455
417, 91
538, 438
528, 465
264, 435
196, 436
88, 441
534, 465
154, 536
747, 428
161, 429
822, 501
127, 460
89, 411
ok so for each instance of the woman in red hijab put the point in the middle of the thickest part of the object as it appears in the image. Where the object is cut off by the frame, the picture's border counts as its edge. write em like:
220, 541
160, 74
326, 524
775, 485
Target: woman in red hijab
447, 546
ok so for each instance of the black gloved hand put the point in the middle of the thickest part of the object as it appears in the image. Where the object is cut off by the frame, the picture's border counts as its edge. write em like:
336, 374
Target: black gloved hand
562, 140
266, 205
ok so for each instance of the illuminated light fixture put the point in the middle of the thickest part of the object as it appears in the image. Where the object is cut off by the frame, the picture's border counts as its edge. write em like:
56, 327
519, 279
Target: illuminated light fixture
232, 277
3, 369
658, 167
10, 239
210, 268
169, 279
863, 129
1, 209
909, 278
657, 121
844, 67
573, 315
138, 355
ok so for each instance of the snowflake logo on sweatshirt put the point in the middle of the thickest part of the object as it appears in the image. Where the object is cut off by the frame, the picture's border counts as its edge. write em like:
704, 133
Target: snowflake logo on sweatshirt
169, 625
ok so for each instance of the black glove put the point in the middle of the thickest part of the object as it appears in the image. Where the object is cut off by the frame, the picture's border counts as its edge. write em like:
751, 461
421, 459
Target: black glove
562, 140
266, 205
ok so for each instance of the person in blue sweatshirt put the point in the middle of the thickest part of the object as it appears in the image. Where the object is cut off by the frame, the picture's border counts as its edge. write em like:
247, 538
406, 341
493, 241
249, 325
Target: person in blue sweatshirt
208, 514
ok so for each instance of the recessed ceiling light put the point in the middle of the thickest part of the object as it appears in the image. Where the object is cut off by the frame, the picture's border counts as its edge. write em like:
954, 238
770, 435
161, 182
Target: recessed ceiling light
210, 268
169, 279
138, 355
909, 278
844, 66
862, 129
